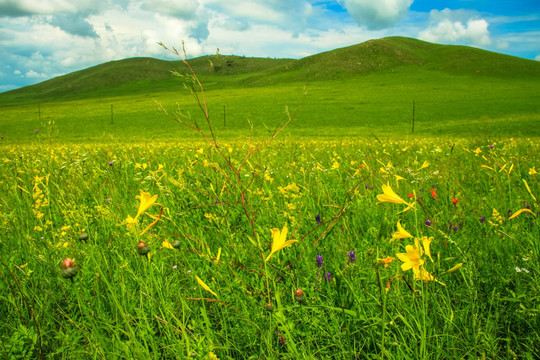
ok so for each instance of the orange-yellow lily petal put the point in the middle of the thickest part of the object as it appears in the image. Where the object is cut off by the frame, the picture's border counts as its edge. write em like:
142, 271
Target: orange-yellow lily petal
386, 261
519, 212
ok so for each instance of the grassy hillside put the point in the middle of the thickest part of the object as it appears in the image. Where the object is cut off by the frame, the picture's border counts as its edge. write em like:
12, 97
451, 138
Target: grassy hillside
358, 91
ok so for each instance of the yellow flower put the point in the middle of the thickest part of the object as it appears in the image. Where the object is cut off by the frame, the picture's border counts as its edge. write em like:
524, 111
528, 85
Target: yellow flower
398, 179
147, 201
401, 233
279, 240
426, 242
412, 258
204, 286
390, 196
532, 171
166, 245
424, 165
212, 356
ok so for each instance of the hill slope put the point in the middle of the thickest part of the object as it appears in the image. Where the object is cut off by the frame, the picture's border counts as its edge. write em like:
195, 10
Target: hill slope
392, 54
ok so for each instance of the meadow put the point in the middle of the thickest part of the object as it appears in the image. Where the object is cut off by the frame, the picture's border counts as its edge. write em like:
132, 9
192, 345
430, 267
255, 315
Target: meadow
326, 231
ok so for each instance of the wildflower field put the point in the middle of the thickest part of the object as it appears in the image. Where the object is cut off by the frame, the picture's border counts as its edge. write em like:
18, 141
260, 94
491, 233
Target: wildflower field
402, 249
269, 247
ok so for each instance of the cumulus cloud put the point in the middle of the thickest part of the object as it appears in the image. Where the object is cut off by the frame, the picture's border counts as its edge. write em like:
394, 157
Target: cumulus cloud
448, 26
184, 9
377, 14
537, 58
74, 24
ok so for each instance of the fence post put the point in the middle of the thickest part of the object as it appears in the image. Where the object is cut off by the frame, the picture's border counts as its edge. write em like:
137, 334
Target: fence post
413, 116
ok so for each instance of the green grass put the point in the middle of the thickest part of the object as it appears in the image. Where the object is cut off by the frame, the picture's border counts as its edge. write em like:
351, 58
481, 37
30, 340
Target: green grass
470, 164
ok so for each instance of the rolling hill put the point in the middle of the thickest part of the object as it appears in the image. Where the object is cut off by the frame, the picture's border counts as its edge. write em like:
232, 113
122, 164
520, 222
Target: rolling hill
387, 55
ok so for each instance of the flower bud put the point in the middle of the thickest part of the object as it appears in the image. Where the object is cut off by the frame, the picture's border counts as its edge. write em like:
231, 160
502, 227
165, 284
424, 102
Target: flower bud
83, 236
142, 248
176, 244
269, 307
299, 295
69, 268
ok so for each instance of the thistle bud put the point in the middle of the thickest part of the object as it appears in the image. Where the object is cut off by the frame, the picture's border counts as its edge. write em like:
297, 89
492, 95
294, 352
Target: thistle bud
83, 236
299, 295
69, 268
142, 248
269, 307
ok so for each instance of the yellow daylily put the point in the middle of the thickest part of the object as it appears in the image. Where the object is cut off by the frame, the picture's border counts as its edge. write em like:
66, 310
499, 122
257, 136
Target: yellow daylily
204, 286
390, 196
398, 179
147, 201
279, 240
426, 242
401, 233
412, 258
424, 165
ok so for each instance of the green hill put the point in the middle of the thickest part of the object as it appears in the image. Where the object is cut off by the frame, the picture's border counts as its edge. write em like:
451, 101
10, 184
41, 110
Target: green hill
392, 54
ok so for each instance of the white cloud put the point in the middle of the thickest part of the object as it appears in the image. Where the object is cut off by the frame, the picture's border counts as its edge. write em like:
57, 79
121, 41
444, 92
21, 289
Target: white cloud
35, 75
448, 26
537, 57
377, 14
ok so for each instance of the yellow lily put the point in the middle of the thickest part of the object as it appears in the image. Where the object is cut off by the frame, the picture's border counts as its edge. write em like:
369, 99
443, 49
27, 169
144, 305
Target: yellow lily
426, 242
424, 165
401, 233
412, 258
147, 201
390, 196
204, 286
279, 240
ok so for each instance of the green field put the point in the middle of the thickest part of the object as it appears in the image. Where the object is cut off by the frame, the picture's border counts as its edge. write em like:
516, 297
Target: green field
134, 237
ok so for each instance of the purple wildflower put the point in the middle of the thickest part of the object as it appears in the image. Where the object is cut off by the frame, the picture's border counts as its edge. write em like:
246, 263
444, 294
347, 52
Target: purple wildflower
319, 261
491, 146
450, 226
318, 219
36, 131
482, 219
428, 222
328, 277
352, 257
111, 163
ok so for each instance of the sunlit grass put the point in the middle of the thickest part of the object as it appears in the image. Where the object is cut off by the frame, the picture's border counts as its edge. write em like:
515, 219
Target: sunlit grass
124, 305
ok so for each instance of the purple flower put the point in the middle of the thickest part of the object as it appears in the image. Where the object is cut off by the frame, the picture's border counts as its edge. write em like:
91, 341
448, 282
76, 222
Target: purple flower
428, 222
456, 228
36, 131
111, 163
328, 277
450, 226
318, 219
482, 219
352, 257
319, 261
491, 146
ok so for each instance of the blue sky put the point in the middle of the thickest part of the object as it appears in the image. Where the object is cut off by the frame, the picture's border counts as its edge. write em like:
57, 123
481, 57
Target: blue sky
42, 39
